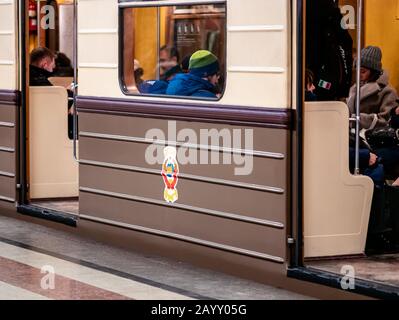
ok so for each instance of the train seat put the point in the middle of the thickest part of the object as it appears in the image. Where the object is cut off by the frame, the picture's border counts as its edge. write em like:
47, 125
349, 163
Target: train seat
337, 204
52, 169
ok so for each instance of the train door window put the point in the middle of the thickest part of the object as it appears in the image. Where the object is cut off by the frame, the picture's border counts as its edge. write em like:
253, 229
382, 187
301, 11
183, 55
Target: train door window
157, 43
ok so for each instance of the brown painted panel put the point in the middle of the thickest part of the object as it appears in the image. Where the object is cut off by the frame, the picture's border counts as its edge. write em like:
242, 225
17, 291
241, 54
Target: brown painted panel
264, 139
7, 162
133, 119
9, 97
7, 137
7, 113
7, 187
7, 207
250, 203
200, 112
9, 100
234, 233
269, 172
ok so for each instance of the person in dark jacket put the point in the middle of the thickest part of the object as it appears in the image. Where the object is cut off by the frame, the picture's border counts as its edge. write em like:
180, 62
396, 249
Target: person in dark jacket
309, 86
390, 156
63, 66
42, 64
329, 49
369, 164
395, 118
202, 79
159, 86
168, 58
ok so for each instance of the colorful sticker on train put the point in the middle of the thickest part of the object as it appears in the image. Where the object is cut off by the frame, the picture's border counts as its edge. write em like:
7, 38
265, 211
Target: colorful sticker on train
170, 172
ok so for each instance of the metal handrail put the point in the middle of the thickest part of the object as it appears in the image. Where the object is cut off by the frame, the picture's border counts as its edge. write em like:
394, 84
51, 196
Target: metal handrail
358, 65
75, 77
38, 9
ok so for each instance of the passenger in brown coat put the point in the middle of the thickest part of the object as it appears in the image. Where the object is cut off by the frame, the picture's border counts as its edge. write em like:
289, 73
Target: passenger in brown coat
377, 96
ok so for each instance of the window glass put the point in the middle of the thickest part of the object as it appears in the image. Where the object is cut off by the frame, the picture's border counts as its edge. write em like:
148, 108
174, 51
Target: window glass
174, 50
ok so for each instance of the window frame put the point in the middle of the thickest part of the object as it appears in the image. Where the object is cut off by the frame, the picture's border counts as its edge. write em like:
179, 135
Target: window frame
131, 4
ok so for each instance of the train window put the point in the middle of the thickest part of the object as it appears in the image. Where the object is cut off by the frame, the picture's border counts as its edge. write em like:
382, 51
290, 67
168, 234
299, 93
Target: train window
173, 50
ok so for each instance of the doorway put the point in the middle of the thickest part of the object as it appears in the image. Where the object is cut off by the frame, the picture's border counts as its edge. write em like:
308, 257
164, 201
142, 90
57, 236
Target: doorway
51, 134
340, 208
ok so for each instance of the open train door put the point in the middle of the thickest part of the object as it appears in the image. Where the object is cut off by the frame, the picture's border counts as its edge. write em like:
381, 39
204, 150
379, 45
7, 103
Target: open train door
47, 144
9, 104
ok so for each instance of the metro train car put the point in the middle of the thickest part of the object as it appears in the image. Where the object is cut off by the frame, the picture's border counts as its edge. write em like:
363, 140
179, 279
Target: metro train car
250, 180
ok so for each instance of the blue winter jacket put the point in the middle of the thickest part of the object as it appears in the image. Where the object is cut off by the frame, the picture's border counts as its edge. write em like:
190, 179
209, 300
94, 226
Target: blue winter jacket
153, 87
186, 84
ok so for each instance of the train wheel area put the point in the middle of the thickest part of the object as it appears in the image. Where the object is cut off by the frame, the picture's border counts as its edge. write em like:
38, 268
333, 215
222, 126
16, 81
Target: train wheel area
38, 263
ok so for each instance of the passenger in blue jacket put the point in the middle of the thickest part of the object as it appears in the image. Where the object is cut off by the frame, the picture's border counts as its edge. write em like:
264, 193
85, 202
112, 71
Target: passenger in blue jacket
201, 80
159, 86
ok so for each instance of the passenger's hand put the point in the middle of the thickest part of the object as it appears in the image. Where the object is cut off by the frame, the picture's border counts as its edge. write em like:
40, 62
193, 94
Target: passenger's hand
373, 159
397, 111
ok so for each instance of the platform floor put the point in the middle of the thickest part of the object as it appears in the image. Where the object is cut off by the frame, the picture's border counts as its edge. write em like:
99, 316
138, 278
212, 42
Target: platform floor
38, 262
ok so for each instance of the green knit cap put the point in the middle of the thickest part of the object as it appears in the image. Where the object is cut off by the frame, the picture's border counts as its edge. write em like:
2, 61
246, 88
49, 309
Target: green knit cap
203, 63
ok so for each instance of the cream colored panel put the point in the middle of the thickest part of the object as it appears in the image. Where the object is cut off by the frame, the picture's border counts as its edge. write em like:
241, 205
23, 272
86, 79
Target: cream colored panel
336, 204
255, 54
256, 12
53, 171
7, 45
256, 89
101, 82
7, 76
7, 41
98, 49
6, 15
95, 14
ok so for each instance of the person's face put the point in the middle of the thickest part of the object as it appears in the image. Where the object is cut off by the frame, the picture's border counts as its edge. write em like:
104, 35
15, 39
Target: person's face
364, 74
214, 79
165, 61
310, 87
48, 64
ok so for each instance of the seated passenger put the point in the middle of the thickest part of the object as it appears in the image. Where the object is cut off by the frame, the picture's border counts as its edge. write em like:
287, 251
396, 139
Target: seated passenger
63, 66
390, 155
185, 63
377, 97
42, 64
138, 73
309, 86
168, 58
159, 86
395, 118
369, 165
202, 79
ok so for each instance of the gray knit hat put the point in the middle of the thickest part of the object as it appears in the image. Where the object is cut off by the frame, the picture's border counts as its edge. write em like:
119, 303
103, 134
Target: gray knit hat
371, 58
